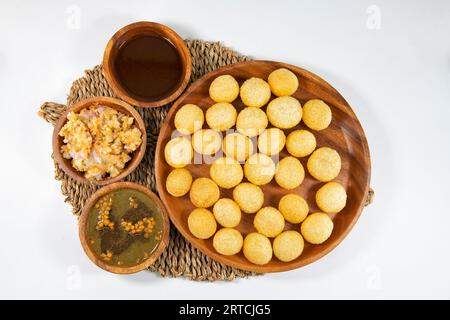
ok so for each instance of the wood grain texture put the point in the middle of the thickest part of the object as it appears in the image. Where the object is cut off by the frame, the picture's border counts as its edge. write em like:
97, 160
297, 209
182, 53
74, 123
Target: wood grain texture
82, 228
140, 29
123, 107
344, 134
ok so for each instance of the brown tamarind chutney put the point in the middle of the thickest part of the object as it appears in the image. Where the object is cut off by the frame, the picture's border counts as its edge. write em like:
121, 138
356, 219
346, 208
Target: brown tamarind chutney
148, 67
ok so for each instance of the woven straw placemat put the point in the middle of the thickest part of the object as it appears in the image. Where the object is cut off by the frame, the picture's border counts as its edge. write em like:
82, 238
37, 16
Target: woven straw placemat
180, 258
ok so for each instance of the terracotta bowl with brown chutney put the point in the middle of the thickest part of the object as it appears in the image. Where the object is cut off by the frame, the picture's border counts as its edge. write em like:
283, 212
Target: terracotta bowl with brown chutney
147, 64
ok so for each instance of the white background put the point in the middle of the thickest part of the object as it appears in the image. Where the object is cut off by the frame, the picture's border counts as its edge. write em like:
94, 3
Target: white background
389, 59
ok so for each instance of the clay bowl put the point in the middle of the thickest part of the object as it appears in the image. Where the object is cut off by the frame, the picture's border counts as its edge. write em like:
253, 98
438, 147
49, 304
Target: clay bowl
135, 30
82, 228
344, 134
123, 107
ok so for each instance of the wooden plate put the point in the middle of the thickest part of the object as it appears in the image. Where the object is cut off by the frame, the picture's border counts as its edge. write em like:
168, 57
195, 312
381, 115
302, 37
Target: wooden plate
344, 134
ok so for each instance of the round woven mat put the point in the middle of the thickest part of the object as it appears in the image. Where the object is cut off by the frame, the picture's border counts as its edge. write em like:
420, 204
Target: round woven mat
179, 258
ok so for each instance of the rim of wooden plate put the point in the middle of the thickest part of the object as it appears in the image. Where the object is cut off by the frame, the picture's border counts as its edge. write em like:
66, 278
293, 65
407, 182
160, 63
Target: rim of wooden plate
327, 246
82, 228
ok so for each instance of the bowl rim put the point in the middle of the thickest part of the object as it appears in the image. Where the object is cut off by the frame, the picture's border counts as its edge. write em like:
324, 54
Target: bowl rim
179, 44
82, 225
131, 165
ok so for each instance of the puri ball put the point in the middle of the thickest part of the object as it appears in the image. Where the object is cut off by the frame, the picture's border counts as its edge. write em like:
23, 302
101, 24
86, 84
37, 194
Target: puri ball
269, 222
317, 228
259, 169
237, 146
224, 89
331, 197
206, 141
316, 114
257, 248
228, 241
227, 212
226, 172
293, 207
201, 223
288, 246
283, 82
271, 141
324, 164
178, 182
284, 112
249, 197
300, 143
204, 192
251, 121
188, 119
178, 152
289, 173
221, 116
255, 92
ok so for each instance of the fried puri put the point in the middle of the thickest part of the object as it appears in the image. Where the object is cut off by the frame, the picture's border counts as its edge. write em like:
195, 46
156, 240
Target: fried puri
201, 223
293, 207
324, 164
289, 173
226, 172
269, 222
178, 152
331, 197
227, 213
204, 192
206, 141
316, 114
224, 89
259, 169
237, 146
317, 228
249, 197
283, 82
251, 121
255, 92
284, 112
288, 245
228, 241
188, 119
300, 143
257, 248
179, 182
221, 116
271, 141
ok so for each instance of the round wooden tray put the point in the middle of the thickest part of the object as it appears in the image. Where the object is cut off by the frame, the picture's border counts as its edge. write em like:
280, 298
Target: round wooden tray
344, 134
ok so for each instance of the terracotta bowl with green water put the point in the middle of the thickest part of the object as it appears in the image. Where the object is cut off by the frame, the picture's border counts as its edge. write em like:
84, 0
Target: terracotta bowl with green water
124, 228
